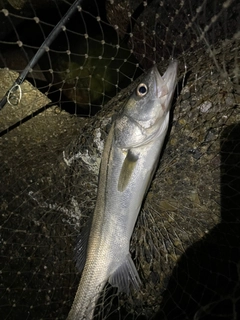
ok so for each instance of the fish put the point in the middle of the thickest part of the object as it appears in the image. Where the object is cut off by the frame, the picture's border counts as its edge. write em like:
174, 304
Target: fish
129, 160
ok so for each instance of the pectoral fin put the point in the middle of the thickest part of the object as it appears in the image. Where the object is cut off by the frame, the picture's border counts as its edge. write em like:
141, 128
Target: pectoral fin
127, 170
125, 275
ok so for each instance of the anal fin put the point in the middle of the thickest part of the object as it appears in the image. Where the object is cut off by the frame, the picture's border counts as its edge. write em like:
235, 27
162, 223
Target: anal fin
125, 275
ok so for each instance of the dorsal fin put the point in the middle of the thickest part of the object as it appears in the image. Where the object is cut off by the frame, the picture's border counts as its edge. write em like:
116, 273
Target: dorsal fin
80, 250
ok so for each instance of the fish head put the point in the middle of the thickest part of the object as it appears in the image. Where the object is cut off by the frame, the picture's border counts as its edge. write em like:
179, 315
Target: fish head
145, 115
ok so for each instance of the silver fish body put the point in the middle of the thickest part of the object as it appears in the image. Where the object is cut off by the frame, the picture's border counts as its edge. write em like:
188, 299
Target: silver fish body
129, 161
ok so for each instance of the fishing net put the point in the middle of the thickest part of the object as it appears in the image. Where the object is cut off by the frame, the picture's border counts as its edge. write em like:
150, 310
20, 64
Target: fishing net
59, 93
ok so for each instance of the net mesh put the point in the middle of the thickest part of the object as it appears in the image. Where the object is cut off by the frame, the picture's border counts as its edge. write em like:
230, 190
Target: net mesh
186, 243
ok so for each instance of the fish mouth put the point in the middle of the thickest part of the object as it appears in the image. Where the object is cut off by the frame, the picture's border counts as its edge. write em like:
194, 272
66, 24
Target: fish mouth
170, 76
165, 84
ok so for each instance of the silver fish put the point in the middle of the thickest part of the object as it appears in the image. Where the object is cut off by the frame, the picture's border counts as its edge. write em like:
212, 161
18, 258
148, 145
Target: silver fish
129, 160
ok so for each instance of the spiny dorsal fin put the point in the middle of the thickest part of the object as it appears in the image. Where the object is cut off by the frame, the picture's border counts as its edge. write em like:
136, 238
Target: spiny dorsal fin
127, 169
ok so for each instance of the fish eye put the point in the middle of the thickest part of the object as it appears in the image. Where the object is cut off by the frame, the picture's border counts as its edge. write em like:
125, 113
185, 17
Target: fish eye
142, 90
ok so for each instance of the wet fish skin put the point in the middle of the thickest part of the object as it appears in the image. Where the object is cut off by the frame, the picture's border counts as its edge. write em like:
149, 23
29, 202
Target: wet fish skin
129, 160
